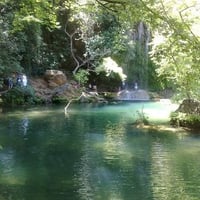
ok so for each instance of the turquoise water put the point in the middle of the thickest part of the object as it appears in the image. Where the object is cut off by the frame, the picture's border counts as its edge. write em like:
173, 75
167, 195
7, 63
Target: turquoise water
95, 153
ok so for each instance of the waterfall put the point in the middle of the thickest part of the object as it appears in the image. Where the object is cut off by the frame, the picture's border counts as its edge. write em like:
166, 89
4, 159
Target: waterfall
136, 62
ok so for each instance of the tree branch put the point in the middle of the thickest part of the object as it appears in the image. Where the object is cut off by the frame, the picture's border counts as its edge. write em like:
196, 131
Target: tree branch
187, 26
70, 101
79, 61
71, 37
107, 3
113, 2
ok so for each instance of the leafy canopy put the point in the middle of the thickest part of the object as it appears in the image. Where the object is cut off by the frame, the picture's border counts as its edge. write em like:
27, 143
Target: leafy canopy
176, 43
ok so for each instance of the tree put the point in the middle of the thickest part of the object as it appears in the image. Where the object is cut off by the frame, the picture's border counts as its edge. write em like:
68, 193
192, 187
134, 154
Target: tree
31, 19
175, 46
176, 43
35, 32
95, 30
9, 54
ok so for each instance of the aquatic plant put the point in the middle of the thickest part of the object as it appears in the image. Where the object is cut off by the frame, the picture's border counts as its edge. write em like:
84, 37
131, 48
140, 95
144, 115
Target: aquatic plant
142, 119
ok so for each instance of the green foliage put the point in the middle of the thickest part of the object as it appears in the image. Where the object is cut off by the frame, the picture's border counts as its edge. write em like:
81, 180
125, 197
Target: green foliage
175, 48
136, 62
33, 23
185, 120
176, 118
19, 96
108, 65
104, 37
155, 82
81, 76
193, 121
35, 11
9, 53
107, 83
175, 45
32, 39
31, 44
142, 119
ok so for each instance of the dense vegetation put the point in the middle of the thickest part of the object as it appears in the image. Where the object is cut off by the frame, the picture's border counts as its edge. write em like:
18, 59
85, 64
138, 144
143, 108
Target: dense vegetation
155, 43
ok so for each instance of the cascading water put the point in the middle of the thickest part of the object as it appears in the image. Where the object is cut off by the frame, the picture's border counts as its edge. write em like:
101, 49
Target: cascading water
136, 60
136, 66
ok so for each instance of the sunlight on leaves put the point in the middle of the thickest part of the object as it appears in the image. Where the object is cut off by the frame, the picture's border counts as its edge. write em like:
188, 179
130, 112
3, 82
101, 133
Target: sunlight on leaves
109, 65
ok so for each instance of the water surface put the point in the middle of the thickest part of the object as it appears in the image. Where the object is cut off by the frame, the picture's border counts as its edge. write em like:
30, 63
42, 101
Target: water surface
95, 153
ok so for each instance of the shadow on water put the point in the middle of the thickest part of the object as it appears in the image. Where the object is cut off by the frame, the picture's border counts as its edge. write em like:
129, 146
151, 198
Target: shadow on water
96, 154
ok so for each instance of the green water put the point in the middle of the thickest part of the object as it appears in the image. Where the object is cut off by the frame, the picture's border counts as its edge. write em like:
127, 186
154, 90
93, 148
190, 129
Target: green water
95, 153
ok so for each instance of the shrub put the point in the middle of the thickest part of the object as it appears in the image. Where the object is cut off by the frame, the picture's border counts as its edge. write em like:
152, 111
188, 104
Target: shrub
81, 76
19, 96
185, 120
142, 119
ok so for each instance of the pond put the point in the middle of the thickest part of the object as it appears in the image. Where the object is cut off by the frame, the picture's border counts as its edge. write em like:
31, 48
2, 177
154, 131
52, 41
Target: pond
95, 153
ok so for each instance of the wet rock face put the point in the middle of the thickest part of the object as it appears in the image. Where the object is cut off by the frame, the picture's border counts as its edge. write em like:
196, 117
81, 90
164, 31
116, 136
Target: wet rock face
55, 78
189, 106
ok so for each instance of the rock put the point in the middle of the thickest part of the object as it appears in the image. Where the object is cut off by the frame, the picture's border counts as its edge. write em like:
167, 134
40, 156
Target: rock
46, 93
52, 84
187, 115
55, 78
189, 106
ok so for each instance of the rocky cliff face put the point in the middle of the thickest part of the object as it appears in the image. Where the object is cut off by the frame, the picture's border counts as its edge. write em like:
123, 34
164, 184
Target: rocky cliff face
53, 86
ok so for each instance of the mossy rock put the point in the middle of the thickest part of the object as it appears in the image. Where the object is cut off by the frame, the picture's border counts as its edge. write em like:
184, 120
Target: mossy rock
187, 115
189, 106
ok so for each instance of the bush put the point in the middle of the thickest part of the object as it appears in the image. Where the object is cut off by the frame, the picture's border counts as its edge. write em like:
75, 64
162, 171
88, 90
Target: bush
19, 96
185, 120
81, 76
142, 119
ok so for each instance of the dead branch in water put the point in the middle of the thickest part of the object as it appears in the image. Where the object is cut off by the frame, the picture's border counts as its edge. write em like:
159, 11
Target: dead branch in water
71, 100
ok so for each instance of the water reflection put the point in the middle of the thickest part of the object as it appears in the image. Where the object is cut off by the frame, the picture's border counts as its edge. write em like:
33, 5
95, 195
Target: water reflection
114, 144
111, 168
7, 166
24, 125
161, 172
97, 180
168, 173
94, 154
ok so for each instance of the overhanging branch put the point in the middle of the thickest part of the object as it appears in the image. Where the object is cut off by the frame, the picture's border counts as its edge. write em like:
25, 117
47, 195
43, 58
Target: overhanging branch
107, 4
79, 61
